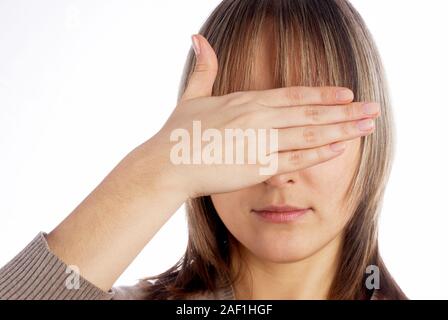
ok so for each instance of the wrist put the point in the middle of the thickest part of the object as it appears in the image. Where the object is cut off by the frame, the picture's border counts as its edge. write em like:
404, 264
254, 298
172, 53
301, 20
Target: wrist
149, 168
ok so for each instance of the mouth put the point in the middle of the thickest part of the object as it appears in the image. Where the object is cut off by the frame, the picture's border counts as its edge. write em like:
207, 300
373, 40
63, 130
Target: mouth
280, 214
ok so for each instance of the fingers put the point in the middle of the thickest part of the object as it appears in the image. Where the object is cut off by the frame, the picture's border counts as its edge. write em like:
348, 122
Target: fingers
315, 136
203, 77
301, 159
315, 115
295, 96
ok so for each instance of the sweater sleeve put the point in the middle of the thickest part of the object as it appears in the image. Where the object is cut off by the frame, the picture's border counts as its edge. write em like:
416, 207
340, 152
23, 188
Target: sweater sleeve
36, 273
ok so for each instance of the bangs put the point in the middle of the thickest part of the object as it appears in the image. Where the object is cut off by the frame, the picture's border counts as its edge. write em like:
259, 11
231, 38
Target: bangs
311, 44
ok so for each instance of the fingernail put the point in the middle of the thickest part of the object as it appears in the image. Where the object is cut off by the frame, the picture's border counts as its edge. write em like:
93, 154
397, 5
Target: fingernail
344, 95
196, 45
371, 108
365, 124
338, 146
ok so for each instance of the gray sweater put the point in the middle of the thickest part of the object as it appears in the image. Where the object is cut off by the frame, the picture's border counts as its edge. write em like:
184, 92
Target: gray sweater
35, 273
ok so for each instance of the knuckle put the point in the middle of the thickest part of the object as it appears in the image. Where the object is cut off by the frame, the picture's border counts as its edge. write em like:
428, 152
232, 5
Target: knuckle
309, 135
296, 157
327, 94
349, 111
313, 114
320, 153
201, 67
294, 94
347, 129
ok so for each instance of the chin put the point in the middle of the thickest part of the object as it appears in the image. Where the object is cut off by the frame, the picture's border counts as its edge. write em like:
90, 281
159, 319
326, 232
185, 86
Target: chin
283, 257
282, 252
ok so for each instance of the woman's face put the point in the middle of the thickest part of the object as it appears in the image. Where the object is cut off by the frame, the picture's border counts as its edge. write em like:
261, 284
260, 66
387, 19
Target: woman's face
321, 188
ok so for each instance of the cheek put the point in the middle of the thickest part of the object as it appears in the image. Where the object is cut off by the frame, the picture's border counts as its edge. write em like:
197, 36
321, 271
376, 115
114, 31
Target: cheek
230, 208
330, 180
234, 209
330, 183
228, 203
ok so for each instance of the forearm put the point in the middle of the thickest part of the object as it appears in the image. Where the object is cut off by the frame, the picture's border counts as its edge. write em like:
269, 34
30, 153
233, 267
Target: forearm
112, 225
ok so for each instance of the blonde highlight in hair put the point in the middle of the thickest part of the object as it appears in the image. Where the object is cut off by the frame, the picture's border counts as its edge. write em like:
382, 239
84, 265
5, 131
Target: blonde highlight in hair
316, 43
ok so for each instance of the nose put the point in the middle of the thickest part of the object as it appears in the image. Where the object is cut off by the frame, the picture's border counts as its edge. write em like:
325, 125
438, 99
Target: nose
281, 180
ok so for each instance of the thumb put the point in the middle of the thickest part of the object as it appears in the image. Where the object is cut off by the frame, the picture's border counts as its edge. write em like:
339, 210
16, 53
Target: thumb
203, 77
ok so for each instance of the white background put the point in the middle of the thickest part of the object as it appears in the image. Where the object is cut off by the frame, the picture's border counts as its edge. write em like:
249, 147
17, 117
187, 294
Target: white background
84, 82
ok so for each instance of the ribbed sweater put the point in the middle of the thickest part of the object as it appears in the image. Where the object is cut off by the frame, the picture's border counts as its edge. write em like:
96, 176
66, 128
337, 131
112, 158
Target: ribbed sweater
36, 273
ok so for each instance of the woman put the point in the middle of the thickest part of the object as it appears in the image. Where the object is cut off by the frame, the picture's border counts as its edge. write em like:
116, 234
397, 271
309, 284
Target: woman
307, 231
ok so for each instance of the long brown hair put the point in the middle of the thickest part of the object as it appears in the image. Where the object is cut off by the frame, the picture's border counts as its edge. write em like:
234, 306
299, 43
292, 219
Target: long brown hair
316, 43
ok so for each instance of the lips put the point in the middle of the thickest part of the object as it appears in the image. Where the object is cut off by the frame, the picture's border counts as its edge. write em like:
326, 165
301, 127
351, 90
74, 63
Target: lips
281, 208
280, 214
